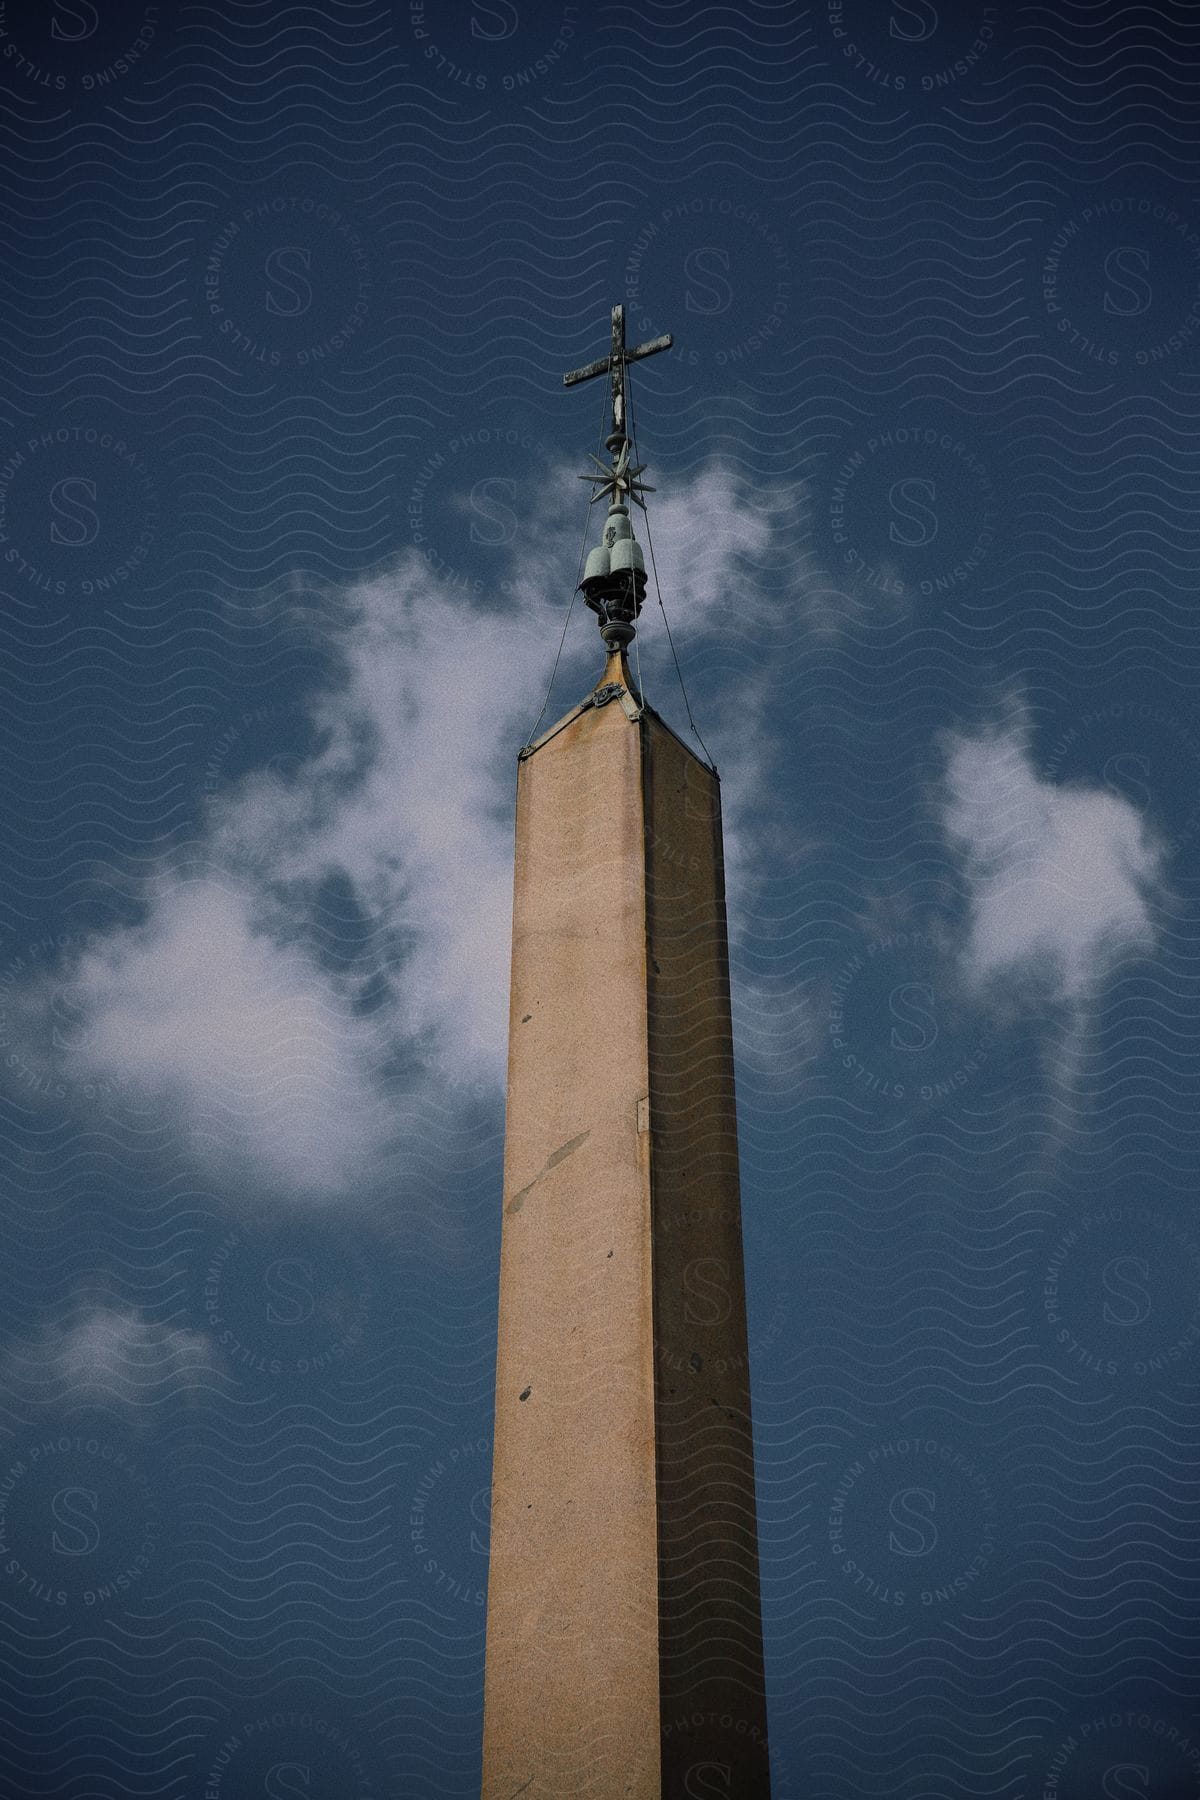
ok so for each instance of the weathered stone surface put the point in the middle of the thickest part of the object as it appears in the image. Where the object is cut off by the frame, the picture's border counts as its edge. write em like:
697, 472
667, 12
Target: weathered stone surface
624, 1651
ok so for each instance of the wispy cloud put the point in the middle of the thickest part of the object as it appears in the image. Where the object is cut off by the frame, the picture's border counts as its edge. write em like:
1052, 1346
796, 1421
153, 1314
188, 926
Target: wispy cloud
1061, 880
110, 1356
225, 1008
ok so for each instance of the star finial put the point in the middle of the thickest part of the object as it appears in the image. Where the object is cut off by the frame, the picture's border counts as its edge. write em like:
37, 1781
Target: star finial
620, 482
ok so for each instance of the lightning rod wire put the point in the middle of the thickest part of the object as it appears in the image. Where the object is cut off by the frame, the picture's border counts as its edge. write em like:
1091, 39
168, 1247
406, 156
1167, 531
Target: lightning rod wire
587, 517
657, 584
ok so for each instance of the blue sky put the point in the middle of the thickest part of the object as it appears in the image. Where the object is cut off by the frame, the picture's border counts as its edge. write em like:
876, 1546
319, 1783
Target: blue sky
288, 528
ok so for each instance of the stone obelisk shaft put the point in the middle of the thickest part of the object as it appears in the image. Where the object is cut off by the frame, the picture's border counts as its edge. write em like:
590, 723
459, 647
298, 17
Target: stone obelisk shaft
624, 1649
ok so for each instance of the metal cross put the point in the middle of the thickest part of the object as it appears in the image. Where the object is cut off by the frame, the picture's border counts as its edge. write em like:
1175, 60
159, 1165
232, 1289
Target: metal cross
614, 364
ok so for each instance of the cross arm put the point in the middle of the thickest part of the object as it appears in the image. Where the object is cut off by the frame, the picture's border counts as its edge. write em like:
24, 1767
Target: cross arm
650, 346
599, 367
604, 363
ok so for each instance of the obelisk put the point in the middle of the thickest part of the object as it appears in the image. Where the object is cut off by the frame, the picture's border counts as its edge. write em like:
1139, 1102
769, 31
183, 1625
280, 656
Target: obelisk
624, 1636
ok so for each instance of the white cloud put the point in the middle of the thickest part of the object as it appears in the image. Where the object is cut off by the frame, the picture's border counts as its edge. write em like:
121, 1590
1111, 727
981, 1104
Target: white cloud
111, 1356
244, 1038
223, 1008
1060, 880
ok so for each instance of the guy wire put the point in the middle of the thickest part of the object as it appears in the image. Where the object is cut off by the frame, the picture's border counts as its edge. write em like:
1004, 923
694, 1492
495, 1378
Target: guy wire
587, 517
657, 585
